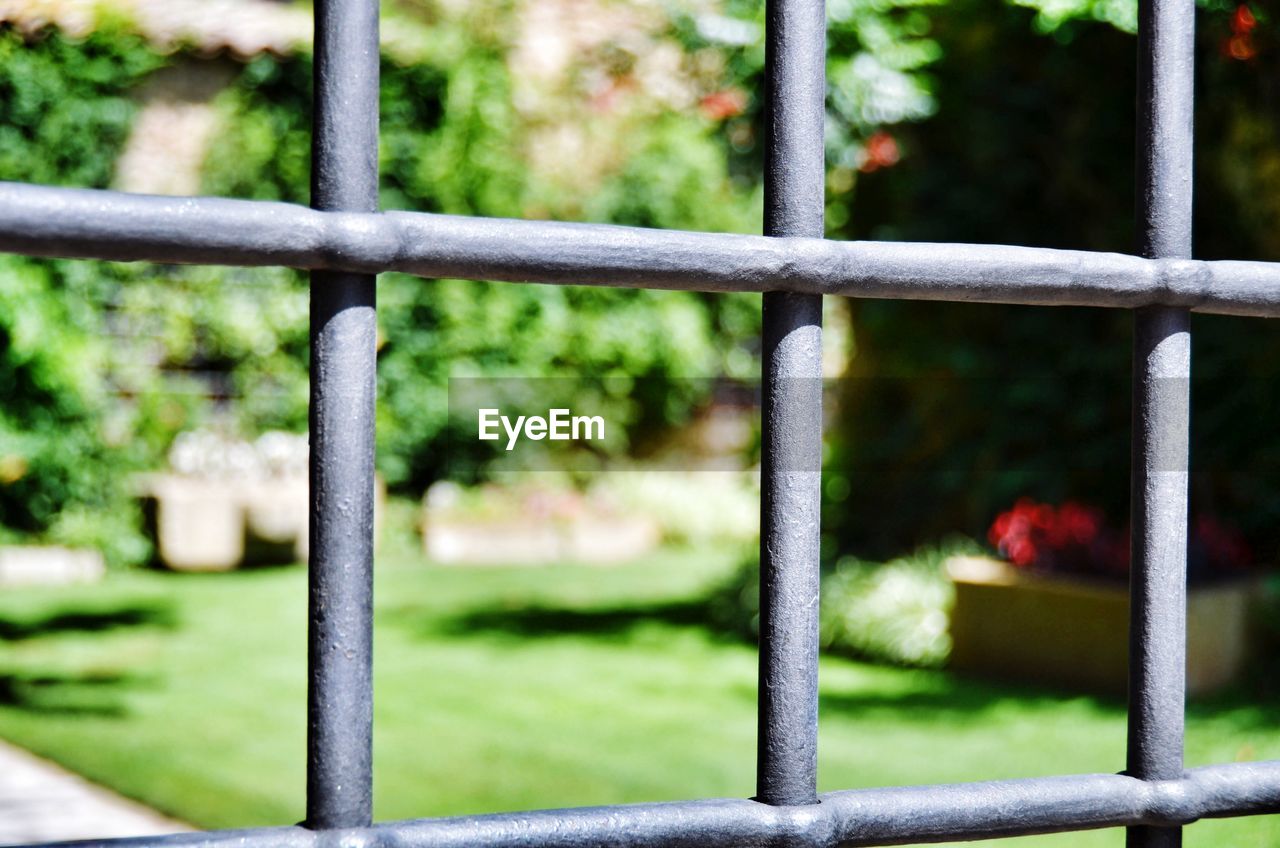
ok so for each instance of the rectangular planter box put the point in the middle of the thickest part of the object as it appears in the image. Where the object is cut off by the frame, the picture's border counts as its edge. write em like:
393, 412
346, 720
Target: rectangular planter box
49, 565
519, 541
219, 524
1075, 634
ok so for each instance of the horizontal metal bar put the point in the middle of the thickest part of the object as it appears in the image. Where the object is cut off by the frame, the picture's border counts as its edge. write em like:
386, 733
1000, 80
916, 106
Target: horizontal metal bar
859, 817
80, 223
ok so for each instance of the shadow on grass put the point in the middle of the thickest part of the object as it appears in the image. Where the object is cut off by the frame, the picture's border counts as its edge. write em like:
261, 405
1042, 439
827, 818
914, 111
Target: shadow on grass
609, 622
945, 696
1251, 705
938, 694
92, 693
83, 693
87, 621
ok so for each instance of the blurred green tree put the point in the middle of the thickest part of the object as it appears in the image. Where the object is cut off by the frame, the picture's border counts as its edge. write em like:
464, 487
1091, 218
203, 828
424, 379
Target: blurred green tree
455, 139
64, 114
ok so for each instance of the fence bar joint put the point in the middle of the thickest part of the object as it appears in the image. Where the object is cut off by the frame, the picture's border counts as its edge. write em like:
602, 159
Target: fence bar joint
1161, 410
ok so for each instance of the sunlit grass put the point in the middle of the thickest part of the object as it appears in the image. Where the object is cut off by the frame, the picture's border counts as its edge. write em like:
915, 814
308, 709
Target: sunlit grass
512, 688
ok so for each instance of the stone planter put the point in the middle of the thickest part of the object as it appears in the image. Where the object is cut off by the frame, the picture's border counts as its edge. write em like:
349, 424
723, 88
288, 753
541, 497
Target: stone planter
197, 525
1074, 633
516, 541
49, 565
529, 526
213, 524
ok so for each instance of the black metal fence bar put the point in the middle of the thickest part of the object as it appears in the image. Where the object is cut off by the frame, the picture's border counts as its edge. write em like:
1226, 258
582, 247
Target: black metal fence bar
343, 349
849, 818
90, 224
1161, 409
791, 410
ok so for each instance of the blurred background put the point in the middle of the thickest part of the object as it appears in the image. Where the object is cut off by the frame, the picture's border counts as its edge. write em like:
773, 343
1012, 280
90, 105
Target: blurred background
580, 630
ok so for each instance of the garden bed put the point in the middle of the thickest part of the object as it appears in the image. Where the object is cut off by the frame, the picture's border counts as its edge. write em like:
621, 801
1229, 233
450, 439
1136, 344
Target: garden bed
1073, 632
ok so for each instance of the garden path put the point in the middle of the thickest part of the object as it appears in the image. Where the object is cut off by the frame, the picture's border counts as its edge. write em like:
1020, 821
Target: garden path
43, 802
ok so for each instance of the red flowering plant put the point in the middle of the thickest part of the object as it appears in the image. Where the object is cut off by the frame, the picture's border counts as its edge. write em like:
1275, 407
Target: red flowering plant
1074, 538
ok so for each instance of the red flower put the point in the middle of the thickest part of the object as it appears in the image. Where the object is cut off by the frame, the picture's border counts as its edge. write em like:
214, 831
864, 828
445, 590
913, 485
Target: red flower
1240, 45
724, 104
1021, 552
1243, 21
880, 151
1068, 537
1074, 537
1221, 545
1078, 523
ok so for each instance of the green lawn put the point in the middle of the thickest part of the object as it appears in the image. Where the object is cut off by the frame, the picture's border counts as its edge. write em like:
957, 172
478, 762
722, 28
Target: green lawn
510, 688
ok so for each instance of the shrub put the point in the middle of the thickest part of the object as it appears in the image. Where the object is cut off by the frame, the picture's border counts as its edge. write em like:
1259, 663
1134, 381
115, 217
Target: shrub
895, 612
454, 140
64, 114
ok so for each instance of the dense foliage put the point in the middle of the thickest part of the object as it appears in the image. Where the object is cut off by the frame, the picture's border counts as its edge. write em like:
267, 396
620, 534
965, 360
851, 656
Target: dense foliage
894, 612
104, 363
959, 410
64, 115
958, 120
454, 141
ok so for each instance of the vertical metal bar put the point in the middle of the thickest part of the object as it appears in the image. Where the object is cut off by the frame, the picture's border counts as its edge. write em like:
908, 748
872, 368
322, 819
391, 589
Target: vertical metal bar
344, 176
787, 759
1161, 409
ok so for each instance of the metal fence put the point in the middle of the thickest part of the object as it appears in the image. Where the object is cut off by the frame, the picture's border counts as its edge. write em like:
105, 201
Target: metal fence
345, 241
